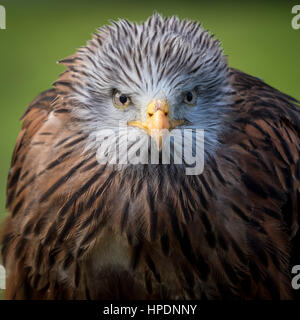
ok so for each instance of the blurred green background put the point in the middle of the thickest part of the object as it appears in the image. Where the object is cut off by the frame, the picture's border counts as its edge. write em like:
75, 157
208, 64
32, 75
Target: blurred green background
256, 35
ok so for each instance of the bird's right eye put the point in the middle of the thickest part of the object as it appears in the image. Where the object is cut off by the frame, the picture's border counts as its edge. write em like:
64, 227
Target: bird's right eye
120, 100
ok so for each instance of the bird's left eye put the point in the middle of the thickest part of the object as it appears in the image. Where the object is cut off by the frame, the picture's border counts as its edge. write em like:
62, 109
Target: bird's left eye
190, 97
120, 100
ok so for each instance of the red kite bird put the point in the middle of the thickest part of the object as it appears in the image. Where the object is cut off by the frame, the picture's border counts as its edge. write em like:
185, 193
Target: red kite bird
83, 228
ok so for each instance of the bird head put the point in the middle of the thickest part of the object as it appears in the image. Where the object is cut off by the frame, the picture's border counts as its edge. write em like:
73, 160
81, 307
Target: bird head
150, 78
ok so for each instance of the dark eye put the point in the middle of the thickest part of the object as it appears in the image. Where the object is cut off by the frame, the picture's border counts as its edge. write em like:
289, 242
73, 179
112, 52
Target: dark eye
123, 99
190, 97
120, 100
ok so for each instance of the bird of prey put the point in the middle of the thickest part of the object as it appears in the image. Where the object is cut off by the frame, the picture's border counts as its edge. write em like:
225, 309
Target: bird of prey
82, 228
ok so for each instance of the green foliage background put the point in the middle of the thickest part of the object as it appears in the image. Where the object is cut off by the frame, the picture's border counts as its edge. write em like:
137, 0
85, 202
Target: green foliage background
256, 35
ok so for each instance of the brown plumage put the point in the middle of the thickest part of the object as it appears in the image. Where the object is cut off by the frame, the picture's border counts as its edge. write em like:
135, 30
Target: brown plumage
78, 229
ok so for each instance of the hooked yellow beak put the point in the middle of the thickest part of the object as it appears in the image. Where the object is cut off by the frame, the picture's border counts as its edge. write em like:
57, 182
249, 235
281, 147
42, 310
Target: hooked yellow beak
157, 121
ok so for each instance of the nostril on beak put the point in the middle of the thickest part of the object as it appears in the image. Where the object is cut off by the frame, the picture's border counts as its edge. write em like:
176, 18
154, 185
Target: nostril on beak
150, 114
